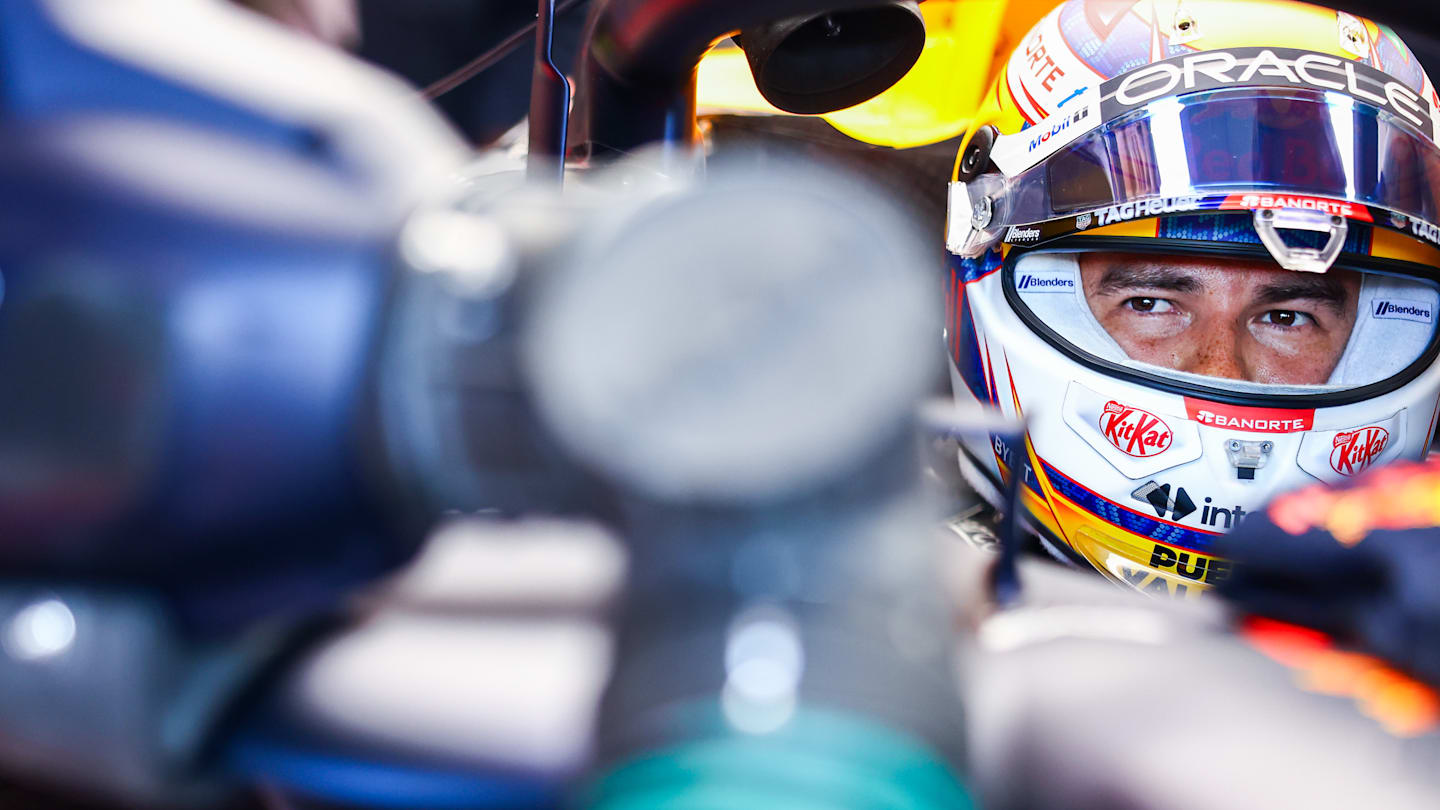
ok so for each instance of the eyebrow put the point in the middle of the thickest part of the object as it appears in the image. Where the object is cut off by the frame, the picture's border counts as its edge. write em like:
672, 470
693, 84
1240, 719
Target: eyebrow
1119, 277
1322, 288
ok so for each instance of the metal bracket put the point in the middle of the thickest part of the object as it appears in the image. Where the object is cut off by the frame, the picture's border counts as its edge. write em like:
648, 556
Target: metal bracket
1248, 456
960, 219
1269, 221
966, 218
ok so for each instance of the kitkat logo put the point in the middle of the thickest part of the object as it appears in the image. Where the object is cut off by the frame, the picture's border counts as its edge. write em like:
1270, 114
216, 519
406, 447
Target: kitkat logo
1357, 449
1134, 431
1254, 420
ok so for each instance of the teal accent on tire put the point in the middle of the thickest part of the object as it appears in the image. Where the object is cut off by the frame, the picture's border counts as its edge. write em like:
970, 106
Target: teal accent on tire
820, 760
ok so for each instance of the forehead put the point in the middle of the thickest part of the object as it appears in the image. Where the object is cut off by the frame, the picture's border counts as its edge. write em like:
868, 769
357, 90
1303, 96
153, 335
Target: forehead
1190, 264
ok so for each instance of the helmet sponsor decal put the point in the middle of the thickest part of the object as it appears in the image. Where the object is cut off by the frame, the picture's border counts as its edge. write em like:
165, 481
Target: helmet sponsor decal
1155, 207
1153, 582
1211, 515
1190, 565
1425, 230
1134, 431
1403, 309
1007, 456
1146, 208
1015, 153
1158, 496
1139, 442
1044, 74
1040, 63
1054, 126
1267, 67
1337, 455
1124, 212
1252, 202
1254, 420
1019, 233
1180, 506
1356, 450
1045, 281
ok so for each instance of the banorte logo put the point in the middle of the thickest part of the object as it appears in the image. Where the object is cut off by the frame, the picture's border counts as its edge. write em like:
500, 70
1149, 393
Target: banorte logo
1135, 432
1255, 420
1356, 450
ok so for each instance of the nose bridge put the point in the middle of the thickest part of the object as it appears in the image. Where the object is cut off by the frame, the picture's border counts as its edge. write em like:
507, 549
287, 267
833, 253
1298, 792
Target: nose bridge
1218, 350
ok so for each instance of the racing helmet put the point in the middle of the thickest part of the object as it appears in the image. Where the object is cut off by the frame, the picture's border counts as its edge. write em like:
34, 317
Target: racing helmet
1194, 247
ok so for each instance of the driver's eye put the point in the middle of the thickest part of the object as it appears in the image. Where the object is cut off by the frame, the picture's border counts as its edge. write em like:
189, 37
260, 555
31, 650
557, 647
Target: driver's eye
1149, 305
1286, 317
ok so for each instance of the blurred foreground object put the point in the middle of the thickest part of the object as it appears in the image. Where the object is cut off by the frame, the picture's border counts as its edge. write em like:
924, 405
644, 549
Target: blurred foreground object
707, 357
296, 336
1087, 697
903, 137
261, 338
818, 63
196, 255
933, 102
1359, 563
426, 42
336, 22
784, 637
196, 265
471, 680
638, 68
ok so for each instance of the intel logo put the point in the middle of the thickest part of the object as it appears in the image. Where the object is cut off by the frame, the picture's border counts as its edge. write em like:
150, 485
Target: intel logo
1402, 309
1038, 282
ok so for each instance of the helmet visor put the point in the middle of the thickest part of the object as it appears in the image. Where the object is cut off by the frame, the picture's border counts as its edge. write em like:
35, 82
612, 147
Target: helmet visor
1240, 324
1184, 152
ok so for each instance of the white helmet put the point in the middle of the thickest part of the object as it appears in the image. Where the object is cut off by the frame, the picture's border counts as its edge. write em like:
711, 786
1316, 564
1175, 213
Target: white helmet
1197, 252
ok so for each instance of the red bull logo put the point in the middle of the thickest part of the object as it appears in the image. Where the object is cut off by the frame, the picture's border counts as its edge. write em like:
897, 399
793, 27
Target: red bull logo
1134, 431
1356, 450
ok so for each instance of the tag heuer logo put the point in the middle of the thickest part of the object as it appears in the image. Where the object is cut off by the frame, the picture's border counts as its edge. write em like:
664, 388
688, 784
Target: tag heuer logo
1398, 220
1083, 221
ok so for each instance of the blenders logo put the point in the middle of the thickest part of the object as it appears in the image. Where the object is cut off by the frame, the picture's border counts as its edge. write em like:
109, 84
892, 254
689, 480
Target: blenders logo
1045, 282
1018, 234
1133, 431
1272, 67
1145, 208
1403, 309
1356, 450
1255, 420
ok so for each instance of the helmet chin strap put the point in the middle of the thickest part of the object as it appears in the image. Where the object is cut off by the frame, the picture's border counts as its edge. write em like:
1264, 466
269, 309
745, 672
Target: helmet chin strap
1270, 221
